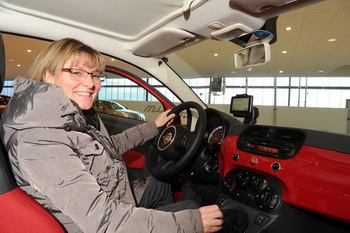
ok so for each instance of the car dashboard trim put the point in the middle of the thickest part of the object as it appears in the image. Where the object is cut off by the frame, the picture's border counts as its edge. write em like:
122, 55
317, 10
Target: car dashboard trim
310, 180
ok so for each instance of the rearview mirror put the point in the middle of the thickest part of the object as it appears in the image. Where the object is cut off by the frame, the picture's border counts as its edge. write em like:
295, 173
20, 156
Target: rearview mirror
254, 55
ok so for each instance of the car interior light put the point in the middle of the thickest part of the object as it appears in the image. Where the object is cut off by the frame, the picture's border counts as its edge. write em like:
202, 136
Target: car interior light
289, 28
231, 32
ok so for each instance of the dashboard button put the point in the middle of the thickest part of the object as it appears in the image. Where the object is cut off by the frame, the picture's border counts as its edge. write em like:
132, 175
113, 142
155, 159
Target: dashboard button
254, 161
261, 219
276, 167
221, 201
235, 157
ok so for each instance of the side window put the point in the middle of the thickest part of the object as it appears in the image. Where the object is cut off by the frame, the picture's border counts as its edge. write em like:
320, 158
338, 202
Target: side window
20, 53
137, 96
127, 92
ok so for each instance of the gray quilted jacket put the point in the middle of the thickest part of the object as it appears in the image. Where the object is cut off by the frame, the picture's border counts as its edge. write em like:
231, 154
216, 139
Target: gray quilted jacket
76, 171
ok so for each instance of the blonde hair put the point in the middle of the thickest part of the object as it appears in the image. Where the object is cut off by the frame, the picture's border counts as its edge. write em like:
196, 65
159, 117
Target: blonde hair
54, 56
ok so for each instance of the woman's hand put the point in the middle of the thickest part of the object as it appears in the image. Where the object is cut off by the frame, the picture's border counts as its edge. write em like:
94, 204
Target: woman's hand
212, 218
162, 118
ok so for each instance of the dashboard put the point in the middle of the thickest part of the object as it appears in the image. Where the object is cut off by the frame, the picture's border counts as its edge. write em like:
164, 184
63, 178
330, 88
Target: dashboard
276, 177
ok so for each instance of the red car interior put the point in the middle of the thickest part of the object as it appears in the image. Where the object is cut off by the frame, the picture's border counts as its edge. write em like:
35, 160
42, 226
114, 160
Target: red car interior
18, 211
310, 180
134, 159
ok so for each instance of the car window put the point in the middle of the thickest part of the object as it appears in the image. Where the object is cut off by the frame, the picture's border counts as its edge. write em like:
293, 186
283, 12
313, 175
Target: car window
113, 106
121, 93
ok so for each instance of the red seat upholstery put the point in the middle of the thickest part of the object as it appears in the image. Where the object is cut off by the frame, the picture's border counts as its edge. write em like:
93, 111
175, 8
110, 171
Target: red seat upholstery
18, 211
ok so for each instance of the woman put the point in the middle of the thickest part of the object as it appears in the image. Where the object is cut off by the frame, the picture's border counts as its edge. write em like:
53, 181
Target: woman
62, 156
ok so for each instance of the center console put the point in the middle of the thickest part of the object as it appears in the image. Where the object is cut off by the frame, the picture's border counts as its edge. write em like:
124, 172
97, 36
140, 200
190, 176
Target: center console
253, 189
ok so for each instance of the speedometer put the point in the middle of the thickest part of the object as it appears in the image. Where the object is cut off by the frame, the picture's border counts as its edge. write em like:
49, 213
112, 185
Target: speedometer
216, 135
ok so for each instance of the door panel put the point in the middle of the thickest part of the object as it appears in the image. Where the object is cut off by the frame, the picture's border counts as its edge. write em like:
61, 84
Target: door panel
139, 96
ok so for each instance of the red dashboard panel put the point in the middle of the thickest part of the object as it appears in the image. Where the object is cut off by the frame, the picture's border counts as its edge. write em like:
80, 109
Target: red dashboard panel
314, 179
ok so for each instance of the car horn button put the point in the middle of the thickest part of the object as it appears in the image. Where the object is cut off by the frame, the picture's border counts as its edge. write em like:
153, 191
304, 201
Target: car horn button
166, 138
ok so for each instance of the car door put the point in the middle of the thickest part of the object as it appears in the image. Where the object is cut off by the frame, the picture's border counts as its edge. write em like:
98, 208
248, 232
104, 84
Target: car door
139, 93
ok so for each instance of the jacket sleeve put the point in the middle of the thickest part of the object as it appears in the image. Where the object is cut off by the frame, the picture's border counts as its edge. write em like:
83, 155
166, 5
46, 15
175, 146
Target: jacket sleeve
51, 166
134, 136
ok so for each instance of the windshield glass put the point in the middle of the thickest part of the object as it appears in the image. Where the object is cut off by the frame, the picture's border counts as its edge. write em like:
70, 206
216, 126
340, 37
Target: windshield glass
299, 87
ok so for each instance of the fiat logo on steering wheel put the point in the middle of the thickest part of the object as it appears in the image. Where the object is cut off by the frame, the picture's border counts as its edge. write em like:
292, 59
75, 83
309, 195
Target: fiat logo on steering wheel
166, 138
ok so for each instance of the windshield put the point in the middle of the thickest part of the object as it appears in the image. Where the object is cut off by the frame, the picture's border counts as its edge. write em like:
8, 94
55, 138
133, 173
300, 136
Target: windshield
306, 84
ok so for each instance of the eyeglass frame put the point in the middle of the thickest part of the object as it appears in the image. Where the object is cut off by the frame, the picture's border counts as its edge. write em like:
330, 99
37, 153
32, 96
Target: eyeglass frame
101, 77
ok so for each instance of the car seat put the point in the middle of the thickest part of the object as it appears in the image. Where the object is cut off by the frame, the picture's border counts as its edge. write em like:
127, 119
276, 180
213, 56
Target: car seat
18, 211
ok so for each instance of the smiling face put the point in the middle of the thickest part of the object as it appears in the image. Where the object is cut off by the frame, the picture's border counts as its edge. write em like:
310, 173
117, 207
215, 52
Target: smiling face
82, 92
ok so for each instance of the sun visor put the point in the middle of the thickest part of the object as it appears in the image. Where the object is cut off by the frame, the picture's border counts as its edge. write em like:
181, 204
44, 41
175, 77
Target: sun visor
2, 63
162, 41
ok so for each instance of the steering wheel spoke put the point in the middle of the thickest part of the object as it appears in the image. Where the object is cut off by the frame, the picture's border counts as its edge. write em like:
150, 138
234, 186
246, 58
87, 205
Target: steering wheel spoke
163, 165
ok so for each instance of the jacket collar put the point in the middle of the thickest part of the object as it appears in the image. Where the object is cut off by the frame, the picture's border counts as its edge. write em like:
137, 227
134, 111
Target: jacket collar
40, 104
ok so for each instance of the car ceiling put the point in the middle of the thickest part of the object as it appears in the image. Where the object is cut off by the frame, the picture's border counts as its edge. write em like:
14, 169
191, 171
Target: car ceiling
308, 49
307, 46
123, 19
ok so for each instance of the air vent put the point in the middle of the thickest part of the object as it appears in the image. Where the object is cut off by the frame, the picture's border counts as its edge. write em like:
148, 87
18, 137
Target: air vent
290, 136
256, 131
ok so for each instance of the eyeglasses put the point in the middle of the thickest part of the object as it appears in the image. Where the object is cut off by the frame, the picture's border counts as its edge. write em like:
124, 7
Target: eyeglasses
81, 75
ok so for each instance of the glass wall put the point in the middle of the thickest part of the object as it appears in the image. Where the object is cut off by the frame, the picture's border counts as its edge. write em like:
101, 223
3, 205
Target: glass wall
320, 92
8, 88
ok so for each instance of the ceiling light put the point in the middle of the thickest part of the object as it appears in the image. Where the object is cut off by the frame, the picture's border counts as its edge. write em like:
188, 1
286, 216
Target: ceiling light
288, 28
216, 54
29, 51
332, 40
11, 60
320, 71
18, 65
284, 51
112, 59
281, 71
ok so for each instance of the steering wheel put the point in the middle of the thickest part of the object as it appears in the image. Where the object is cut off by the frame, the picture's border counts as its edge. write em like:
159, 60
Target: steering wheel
176, 145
